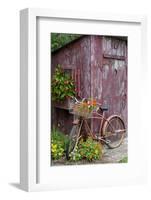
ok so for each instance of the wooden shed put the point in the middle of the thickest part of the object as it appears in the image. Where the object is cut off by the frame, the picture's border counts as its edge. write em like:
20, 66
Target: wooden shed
98, 65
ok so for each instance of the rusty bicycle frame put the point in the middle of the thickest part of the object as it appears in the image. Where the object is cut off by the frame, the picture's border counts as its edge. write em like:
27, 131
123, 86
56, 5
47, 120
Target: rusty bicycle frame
100, 137
82, 120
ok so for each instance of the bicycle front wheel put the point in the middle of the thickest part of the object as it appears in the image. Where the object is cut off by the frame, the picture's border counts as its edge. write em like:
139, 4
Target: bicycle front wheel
114, 131
73, 137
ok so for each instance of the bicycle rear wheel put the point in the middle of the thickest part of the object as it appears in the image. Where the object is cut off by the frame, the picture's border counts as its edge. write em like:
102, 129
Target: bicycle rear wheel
73, 137
114, 131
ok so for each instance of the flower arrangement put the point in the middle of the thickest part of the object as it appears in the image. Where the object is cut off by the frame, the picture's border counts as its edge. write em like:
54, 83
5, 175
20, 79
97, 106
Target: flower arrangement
85, 108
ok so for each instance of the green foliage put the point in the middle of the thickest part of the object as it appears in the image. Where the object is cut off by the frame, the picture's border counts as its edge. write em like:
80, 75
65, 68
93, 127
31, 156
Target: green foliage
60, 39
62, 85
89, 150
124, 160
76, 156
58, 144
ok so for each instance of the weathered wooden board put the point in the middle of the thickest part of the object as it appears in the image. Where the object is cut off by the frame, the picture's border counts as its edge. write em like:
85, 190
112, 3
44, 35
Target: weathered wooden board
98, 65
75, 57
114, 76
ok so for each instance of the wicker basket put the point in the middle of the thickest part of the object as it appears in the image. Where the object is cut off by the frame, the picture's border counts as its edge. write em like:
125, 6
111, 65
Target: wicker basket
82, 110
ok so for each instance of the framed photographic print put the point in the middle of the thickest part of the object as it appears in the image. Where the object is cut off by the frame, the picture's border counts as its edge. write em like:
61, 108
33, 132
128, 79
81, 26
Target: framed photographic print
82, 79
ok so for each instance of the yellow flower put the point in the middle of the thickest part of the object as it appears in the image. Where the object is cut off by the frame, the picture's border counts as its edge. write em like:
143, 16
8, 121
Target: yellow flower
96, 151
53, 150
54, 146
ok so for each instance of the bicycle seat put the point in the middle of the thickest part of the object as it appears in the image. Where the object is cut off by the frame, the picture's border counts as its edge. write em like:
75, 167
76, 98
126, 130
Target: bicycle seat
104, 108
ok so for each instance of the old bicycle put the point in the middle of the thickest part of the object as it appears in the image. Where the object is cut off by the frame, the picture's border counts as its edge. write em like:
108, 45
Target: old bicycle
111, 130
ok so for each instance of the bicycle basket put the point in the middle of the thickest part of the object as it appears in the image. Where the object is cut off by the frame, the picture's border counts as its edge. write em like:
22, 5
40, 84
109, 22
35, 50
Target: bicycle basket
83, 109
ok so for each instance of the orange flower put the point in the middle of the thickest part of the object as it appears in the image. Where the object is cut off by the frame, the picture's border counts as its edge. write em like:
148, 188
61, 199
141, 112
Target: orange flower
94, 102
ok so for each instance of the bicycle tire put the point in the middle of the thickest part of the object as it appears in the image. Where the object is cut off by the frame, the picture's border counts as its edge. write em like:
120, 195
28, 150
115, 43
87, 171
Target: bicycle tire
114, 131
73, 136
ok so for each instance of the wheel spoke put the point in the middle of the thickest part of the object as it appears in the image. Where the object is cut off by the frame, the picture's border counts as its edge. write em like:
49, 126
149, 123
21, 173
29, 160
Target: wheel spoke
114, 130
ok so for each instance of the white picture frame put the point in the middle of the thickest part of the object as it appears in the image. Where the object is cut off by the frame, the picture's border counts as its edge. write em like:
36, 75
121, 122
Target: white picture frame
33, 171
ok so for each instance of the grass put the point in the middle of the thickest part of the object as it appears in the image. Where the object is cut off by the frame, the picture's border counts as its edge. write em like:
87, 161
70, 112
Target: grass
124, 160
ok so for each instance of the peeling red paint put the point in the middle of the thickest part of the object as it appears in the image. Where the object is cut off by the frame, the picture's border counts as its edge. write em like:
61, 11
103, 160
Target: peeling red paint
99, 67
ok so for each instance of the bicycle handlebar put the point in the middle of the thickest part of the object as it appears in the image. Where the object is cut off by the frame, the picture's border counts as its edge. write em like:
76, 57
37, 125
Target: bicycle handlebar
77, 101
82, 100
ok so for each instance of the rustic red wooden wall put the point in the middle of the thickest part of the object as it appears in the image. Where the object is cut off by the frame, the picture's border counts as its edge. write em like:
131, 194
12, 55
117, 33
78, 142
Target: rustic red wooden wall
74, 57
114, 70
99, 67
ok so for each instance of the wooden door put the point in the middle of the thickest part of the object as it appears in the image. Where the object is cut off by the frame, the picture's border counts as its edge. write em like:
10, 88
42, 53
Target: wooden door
114, 76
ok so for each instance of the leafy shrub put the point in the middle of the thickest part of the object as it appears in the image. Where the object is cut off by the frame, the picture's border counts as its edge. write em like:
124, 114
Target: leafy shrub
75, 156
62, 85
60, 39
57, 151
89, 150
58, 144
